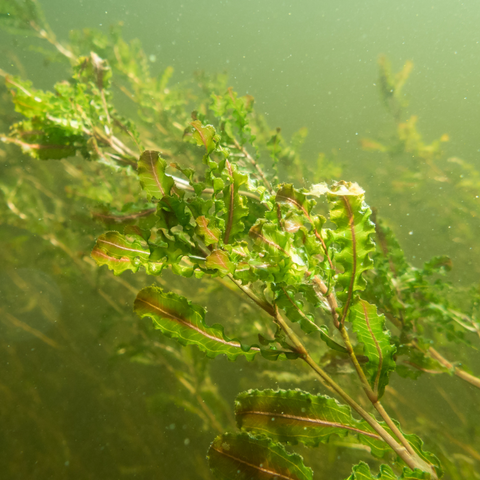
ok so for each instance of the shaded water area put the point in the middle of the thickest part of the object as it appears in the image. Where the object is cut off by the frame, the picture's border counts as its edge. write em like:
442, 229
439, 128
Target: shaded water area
87, 390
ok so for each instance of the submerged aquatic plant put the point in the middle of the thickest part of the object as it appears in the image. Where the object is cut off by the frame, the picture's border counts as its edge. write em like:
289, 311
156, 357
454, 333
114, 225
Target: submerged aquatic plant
328, 281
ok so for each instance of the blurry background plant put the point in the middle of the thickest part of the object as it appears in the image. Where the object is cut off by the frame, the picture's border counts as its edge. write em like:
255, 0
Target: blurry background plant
66, 411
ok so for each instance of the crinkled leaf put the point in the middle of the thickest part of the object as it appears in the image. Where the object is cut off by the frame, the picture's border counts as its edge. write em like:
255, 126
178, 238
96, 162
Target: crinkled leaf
245, 457
209, 234
233, 112
51, 129
294, 310
314, 242
277, 259
294, 416
362, 472
204, 135
439, 264
184, 321
235, 204
352, 239
370, 329
218, 260
119, 253
288, 195
151, 172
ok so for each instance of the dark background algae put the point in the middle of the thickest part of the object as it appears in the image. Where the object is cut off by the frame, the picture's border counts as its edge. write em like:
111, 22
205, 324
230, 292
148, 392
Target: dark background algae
67, 408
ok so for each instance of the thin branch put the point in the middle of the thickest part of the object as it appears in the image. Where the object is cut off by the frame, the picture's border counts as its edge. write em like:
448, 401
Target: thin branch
255, 165
475, 381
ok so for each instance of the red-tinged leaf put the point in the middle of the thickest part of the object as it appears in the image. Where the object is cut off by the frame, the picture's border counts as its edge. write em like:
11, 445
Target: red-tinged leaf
119, 253
294, 416
184, 321
204, 135
220, 261
210, 235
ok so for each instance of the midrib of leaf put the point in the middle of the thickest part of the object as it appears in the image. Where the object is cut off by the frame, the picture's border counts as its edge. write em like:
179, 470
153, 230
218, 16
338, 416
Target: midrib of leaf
256, 467
269, 242
113, 259
219, 258
204, 224
201, 135
121, 247
351, 223
122, 218
314, 421
377, 346
168, 314
232, 203
152, 164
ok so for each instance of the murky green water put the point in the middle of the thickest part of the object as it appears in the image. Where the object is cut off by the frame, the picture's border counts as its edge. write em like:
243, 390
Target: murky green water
71, 404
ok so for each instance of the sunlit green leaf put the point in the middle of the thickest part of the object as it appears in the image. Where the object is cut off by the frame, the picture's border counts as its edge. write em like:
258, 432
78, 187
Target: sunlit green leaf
204, 135
219, 260
352, 239
151, 172
119, 253
210, 234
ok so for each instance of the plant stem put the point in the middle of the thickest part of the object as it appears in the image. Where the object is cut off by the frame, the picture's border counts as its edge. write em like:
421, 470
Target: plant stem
404, 451
372, 395
407, 454
475, 381
400, 450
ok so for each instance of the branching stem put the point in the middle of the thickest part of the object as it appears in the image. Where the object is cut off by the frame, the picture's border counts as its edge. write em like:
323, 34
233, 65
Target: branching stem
408, 455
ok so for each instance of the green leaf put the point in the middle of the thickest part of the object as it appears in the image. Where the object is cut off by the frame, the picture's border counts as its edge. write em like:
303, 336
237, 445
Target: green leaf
352, 238
119, 253
244, 457
205, 135
362, 472
141, 214
220, 261
233, 112
151, 172
370, 329
184, 321
51, 129
294, 310
235, 204
440, 264
288, 196
294, 416
210, 235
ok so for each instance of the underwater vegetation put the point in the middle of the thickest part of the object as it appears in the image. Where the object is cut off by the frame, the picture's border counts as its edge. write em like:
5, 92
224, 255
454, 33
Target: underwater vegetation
189, 185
